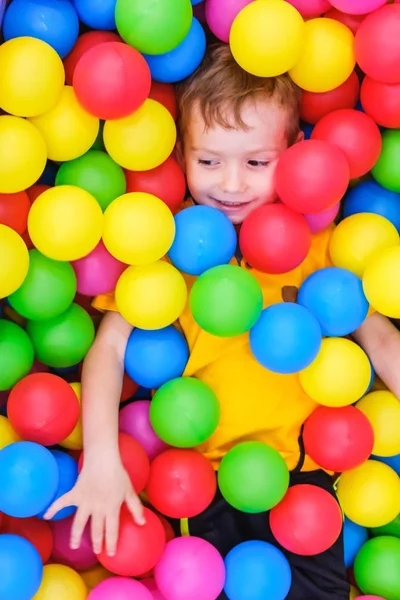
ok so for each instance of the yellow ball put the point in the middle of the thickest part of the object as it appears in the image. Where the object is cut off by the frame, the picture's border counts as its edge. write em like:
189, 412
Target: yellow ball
151, 296
23, 154
143, 140
68, 129
382, 409
14, 261
370, 494
138, 228
340, 374
31, 77
75, 439
327, 58
267, 37
65, 223
358, 238
7, 434
95, 575
61, 583
381, 282
354, 592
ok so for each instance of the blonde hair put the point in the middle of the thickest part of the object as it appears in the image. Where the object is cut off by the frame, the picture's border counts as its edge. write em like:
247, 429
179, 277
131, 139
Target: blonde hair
220, 87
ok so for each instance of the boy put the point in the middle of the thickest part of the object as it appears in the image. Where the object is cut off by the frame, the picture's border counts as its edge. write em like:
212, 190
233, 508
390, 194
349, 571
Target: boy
233, 129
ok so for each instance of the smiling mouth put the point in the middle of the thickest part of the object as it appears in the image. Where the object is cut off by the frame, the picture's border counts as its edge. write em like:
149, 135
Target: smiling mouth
230, 204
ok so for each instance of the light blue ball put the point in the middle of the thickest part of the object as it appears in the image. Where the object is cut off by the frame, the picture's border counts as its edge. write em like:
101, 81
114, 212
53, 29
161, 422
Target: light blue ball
257, 570
68, 474
97, 14
370, 197
286, 338
154, 357
29, 479
183, 60
354, 536
204, 238
336, 298
194, 2
52, 21
21, 568
391, 461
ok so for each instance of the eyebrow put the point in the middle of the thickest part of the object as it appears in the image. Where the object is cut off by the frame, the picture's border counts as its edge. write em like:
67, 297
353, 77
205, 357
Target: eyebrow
252, 151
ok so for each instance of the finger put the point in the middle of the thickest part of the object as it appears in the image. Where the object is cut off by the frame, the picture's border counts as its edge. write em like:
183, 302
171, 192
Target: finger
78, 527
97, 532
112, 531
59, 504
135, 508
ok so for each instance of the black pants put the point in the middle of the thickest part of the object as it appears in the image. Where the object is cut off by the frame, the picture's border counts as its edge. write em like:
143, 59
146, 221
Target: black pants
321, 577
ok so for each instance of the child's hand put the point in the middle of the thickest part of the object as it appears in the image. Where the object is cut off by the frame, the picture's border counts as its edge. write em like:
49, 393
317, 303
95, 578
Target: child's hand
100, 491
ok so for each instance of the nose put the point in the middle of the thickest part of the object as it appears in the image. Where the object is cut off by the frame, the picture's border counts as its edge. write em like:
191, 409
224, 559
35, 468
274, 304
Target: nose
233, 179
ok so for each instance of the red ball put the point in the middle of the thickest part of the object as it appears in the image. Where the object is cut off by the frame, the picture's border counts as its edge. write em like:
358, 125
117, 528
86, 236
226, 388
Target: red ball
381, 101
139, 547
167, 182
315, 105
275, 238
14, 210
182, 483
112, 80
36, 531
377, 44
312, 176
338, 439
164, 93
353, 22
129, 388
43, 408
35, 191
356, 134
307, 521
85, 42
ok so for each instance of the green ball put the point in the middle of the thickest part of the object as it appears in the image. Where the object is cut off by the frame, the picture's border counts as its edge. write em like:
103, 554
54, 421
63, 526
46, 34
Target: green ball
377, 567
64, 340
16, 354
386, 170
184, 412
151, 26
253, 477
226, 300
392, 528
96, 173
48, 289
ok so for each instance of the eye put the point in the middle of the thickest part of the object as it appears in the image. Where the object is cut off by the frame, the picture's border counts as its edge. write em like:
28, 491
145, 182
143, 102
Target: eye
207, 163
258, 163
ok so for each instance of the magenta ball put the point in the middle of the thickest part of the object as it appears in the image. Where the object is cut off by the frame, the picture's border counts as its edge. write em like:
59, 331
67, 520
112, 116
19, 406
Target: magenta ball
322, 220
81, 559
357, 7
151, 585
220, 15
120, 588
98, 272
371, 597
311, 8
135, 421
190, 568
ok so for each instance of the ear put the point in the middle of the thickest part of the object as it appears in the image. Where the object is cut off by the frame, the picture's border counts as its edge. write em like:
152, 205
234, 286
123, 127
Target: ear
179, 154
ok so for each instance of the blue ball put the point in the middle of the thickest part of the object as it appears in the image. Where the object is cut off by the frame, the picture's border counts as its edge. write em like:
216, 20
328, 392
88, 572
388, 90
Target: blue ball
204, 238
154, 357
49, 174
336, 298
354, 536
68, 474
28, 479
257, 570
97, 14
52, 21
183, 60
307, 129
21, 568
391, 461
370, 197
286, 338
194, 2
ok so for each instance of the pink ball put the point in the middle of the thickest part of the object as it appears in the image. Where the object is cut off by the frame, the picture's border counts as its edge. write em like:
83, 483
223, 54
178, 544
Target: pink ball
151, 585
98, 272
220, 15
190, 568
322, 220
120, 588
311, 8
357, 7
134, 420
371, 597
81, 559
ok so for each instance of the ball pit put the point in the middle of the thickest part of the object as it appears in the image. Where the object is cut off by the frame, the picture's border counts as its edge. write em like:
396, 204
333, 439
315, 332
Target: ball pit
96, 14
14, 210
84, 42
383, 172
354, 537
315, 105
97, 272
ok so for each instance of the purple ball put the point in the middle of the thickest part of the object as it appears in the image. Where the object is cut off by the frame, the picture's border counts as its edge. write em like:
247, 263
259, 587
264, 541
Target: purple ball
134, 420
120, 588
82, 558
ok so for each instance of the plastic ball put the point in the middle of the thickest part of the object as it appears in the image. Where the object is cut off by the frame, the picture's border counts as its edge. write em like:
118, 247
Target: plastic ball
15, 262
14, 210
95, 575
65, 223
151, 585
307, 521
164, 93
74, 441
253, 477
275, 239
134, 419
392, 528
96, 173
190, 567
82, 558
370, 494
380, 282
64, 340
266, 37
392, 461
37, 532
312, 176
375, 567
139, 547
182, 483
7, 433
97, 14
354, 537
384, 172
68, 475
120, 588
21, 568
16, 352
357, 7
358, 239
320, 221
311, 8
144, 139
286, 338
338, 439
85, 42
61, 582
368, 196
327, 56
29, 479
315, 105
382, 409
151, 296
23, 155
52, 21
353, 22
97, 272
381, 102
220, 15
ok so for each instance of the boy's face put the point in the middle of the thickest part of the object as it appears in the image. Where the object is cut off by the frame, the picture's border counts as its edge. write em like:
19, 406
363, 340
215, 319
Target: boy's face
233, 169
